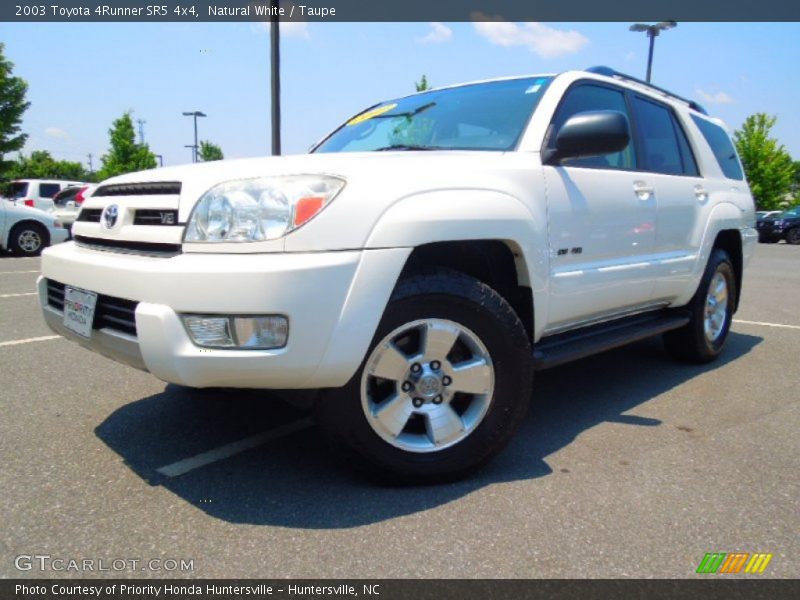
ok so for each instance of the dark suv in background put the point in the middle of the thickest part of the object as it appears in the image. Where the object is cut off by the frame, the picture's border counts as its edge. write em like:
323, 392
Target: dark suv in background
785, 226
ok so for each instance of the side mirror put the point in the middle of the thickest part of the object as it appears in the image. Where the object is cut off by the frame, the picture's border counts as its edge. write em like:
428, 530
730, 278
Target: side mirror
592, 133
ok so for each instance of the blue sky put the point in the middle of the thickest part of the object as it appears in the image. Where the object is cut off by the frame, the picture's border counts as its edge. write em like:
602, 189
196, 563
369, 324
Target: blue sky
83, 75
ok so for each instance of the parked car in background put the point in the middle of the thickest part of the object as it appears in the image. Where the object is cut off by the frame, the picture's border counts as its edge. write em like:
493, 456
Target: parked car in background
27, 231
38, 193
784, 226
766, 214
68, 203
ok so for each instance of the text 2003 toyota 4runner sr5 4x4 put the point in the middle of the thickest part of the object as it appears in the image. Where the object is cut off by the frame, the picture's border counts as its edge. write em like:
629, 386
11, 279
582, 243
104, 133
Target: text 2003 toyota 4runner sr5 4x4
423, 260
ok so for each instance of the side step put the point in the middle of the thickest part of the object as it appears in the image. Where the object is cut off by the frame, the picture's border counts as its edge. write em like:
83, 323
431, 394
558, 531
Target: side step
565, 347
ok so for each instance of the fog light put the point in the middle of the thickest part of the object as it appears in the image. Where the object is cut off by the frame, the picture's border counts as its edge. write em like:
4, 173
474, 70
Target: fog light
265, 332
209, 331
261, 332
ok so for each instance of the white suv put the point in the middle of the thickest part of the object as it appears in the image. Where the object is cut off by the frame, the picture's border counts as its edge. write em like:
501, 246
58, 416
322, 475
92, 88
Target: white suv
423, 260
38, 193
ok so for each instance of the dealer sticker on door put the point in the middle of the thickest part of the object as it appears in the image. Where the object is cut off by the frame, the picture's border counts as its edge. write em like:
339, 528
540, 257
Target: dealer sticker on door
79, 310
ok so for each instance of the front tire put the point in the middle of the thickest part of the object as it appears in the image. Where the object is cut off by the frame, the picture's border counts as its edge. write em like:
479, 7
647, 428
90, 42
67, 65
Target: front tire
445, 383
793, 236
28, 239
703, 338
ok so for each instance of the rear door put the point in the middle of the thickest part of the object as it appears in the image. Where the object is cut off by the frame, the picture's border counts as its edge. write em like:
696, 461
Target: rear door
668, 163
602, 220
44, 199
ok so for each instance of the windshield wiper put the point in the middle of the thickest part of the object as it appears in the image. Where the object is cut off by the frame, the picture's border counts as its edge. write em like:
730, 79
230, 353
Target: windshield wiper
404, 147
409, 114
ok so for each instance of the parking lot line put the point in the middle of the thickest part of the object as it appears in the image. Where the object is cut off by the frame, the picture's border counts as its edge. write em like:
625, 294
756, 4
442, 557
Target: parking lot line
15, 272
17, 295
29, 340
766, 324
206, 458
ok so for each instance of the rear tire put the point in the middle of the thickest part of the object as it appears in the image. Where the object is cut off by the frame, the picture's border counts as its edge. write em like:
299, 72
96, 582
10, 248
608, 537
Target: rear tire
793, 236
445, 383
703, 338
28, 239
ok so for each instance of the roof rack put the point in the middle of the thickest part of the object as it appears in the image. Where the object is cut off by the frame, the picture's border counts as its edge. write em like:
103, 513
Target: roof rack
609, 72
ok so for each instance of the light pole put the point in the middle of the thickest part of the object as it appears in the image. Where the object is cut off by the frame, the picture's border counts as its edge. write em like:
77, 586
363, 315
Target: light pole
275, 79
652, 32
194, 114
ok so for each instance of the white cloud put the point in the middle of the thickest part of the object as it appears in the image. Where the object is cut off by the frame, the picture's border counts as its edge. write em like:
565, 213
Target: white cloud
714, 98
56, 132
298, 29
438, 34
289, 29
630, 56
545, 41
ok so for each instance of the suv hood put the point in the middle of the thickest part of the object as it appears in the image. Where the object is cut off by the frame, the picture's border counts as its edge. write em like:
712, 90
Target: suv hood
374, 182
434, 169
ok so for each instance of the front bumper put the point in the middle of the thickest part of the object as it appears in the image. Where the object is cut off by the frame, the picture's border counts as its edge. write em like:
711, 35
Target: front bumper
58, 235
331, 317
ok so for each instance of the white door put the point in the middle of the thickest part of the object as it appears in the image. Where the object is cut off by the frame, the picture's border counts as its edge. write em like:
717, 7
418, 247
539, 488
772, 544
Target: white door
602, 223
681, 194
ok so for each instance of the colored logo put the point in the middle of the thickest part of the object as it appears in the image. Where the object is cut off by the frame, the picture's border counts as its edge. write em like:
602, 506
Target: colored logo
734, 562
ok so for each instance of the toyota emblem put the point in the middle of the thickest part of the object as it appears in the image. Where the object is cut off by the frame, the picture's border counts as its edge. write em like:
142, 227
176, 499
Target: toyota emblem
109, 216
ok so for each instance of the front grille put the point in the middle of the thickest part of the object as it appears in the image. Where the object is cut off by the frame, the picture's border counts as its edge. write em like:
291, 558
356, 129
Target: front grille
130, 247
155, 216
90, 215
110, 312
152, 188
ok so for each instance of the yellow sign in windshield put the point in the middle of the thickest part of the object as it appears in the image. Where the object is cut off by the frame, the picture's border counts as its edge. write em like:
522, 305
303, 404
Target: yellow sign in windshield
366, 116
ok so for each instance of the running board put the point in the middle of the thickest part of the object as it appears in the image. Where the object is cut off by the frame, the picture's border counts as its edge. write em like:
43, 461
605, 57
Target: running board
565, 347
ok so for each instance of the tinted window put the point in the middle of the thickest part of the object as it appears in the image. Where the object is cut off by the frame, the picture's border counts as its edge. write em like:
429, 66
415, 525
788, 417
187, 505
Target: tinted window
661, 143
48, 190
483, 116
19, 189
721, 146
65, 195
585, 98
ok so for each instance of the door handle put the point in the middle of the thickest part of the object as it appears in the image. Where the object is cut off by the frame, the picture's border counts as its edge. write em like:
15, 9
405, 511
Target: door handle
700, 193
643, 191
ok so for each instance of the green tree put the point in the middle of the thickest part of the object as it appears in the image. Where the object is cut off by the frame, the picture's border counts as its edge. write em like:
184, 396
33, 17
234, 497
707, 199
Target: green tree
769, 168
125, 155
209, 151
422, 84
12, 106
41, 165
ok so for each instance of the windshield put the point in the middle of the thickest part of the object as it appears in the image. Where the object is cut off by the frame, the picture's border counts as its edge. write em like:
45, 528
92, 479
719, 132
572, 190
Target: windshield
481, 116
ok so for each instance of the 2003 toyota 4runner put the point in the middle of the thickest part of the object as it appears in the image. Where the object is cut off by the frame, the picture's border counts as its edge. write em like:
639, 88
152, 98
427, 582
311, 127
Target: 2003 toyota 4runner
422, 260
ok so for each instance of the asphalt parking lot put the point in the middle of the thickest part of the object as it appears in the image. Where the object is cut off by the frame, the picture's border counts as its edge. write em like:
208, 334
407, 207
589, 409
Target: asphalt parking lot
628, 465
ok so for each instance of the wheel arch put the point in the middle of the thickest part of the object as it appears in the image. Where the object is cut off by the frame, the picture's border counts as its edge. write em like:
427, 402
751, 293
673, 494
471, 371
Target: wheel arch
730, 240
41, 226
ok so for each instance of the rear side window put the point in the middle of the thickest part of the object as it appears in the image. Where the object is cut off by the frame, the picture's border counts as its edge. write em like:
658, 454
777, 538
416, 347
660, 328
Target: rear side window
721, 146
664, 146
583, 98
65, 195
48, 190
19, 189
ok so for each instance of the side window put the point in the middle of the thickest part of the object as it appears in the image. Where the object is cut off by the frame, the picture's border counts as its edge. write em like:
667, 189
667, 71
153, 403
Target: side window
48, 190
721, 146
661, 139
584, 98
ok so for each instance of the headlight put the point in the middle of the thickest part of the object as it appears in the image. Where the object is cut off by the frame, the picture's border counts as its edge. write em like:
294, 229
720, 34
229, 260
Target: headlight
254, 210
